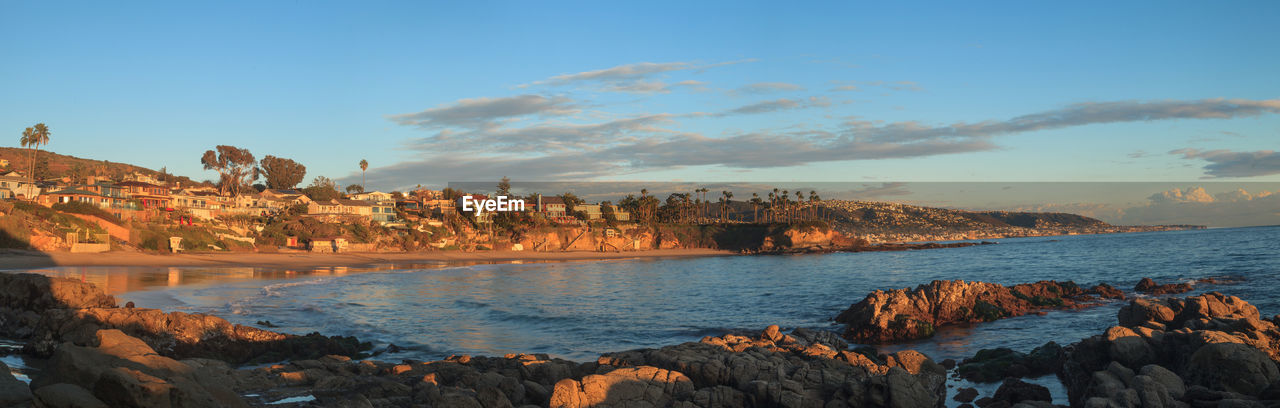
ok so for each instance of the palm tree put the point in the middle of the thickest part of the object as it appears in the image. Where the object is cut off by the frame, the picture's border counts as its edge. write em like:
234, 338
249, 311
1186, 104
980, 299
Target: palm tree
364, 165
800, 201
728, 195
39, 135
755, 207
28, 140
813, 198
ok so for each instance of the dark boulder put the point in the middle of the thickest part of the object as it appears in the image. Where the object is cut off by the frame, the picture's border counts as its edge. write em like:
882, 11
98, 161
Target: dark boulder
990, 365
1149, 286
1014, 391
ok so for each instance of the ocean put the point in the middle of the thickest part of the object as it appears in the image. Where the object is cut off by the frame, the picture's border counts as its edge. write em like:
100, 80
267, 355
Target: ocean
578, 310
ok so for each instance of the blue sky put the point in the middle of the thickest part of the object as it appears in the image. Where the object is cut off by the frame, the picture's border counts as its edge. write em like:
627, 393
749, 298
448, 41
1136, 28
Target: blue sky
713, 91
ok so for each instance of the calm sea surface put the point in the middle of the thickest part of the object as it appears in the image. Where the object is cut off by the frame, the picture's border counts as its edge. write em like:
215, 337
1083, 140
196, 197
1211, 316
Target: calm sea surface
577, 310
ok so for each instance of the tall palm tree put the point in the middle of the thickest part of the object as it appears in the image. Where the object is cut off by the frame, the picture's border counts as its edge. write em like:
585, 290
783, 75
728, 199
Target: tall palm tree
813, 198
42, 138
755, 207
724, 208
364, 165
39, 136
28, 140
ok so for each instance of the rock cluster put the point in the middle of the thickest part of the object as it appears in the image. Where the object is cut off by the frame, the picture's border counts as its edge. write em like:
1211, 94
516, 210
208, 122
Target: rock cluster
804, 368
46, 312
1206, 350
783, 370
990, 365
773, 369
909, 314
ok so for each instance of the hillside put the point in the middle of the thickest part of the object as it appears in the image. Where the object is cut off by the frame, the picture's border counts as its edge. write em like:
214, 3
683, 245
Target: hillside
894, 222
54, 165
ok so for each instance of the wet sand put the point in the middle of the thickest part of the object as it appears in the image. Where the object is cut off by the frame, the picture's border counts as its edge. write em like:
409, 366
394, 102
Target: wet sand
14, 259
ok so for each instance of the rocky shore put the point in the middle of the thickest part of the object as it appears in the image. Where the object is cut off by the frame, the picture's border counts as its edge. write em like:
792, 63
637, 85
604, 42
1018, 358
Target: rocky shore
100, 354
1210, 350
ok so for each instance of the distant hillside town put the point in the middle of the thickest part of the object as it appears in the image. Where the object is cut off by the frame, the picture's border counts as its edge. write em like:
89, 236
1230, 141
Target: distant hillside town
84, 205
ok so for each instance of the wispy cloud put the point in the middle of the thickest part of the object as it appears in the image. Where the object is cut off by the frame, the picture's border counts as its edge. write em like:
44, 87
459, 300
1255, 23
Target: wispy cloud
479, 112
632, 78
1226, 163
779, 105
851, 86
642, 142
547, 137
760, 88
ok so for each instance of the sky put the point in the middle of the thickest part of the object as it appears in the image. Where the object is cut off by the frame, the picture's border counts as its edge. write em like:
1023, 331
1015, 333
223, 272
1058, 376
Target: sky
433, 92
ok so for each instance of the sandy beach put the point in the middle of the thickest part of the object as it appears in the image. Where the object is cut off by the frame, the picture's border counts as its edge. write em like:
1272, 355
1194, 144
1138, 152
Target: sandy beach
33, 259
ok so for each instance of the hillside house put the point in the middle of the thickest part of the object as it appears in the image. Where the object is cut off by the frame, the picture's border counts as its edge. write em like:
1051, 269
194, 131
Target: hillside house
149, 195
340, 206
372, 196
383, 212
14, 187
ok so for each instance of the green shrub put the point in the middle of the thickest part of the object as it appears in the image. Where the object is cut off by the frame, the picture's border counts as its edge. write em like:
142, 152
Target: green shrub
86, 209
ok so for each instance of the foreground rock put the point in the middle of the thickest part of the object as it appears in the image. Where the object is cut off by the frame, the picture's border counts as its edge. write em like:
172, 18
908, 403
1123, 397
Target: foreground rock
909, 314
122, 371
47, 312
1207, 350
772, 369
13, 392
800, 369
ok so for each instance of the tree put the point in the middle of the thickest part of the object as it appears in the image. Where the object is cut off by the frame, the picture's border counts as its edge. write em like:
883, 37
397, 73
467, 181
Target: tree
29, 140
755, 207
282, 173
322, 189
235, 167
504, 186
355, 189
724, 206
364, 165
33, 137
814, 199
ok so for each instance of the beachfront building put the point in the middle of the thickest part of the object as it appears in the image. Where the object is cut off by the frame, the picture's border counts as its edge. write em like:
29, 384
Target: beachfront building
550, 206
383, 212
142, 178
372, 196
439, 207
147, 194
14, 187
79, 194
279, 199
340, 209
192, 198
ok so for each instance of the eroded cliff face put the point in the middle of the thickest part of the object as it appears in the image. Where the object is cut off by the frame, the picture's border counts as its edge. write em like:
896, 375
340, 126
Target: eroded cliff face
805, 238
750, 238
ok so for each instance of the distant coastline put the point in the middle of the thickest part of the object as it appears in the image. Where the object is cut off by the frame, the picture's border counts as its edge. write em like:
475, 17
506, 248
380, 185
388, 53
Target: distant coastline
21, 259
17, 259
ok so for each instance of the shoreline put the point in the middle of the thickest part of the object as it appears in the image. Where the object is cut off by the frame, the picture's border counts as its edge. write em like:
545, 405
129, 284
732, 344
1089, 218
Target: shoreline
20, 259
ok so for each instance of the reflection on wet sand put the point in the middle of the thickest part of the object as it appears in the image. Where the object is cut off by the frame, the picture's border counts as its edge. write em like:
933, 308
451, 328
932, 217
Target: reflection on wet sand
123, 279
